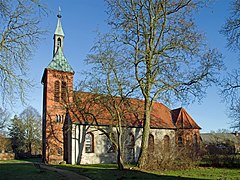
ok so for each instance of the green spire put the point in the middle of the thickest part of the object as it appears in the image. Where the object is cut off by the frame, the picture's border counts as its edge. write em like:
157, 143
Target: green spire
60, 63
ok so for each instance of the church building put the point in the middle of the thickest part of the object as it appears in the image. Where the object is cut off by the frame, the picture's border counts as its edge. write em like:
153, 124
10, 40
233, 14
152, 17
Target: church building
67, 135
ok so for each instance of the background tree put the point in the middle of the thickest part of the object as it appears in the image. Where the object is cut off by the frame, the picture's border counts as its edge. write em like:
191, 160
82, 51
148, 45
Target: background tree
231, 83
232, 27
4, 118
19, 34
166, 52
25, 132
33, 129
4, 121
17, 134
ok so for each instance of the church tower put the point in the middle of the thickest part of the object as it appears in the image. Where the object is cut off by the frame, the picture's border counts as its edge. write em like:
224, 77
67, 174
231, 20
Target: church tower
57, 82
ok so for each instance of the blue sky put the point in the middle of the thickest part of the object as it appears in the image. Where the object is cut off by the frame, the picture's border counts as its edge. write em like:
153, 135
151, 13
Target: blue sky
81, 19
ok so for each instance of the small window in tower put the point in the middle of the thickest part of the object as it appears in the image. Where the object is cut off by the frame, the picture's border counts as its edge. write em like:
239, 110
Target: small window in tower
59, 44
64, 91
58, 118
59, 151
56, 91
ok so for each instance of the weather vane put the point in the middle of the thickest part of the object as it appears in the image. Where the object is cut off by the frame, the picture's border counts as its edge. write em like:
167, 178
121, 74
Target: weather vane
59, 12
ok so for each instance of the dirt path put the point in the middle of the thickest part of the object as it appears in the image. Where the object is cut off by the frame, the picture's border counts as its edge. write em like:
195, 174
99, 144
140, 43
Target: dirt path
68, 174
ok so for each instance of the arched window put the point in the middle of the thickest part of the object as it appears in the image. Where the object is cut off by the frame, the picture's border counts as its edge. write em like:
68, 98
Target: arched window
130, 148
195, 139
89, 143
56, 91
195, 143
180, 141
64, 91
111, 147
57, 118
188, 140
151, 143
59, 151
59, 42
166, 142
131, 140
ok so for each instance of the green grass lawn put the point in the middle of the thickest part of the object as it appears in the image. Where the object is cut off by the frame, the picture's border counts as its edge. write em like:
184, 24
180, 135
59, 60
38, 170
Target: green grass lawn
16, 169
206, 173
108, 172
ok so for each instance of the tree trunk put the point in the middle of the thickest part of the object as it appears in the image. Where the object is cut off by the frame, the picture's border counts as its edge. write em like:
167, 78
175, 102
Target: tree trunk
30, 147
143, 156
119, 151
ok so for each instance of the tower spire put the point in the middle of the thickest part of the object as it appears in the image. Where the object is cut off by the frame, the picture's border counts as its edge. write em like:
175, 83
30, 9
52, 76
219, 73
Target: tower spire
59, 34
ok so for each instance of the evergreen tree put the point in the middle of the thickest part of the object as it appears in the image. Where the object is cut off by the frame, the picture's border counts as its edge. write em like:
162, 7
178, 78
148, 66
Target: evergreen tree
17, 133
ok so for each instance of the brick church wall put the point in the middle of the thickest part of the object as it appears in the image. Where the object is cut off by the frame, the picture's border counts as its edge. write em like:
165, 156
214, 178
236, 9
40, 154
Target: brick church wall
55, 115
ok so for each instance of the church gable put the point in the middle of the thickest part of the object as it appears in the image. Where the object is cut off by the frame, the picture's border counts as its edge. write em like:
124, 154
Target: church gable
183, 120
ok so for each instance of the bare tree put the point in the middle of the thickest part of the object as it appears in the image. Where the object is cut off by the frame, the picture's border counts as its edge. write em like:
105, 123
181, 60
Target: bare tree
230, 85
231, 29
4, 118
166, 52
111, 80
19, 34
32, 123
25, 132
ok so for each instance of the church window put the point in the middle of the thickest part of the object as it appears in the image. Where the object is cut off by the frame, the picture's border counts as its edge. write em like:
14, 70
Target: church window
89, 143
63, 91
131, 141
58, 118
188, 140
51, 151
59, 151
166, 141
151, 143
59, 43
111, 147
130, 148
56, 91
195, 142
195, 139
180, 141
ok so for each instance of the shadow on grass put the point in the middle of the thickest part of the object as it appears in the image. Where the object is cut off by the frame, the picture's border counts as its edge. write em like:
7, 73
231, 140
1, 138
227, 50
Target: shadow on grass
110, 172
17, 169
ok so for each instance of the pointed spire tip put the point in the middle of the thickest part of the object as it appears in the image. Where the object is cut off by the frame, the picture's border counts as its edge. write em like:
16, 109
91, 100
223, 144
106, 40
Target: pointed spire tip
59, 12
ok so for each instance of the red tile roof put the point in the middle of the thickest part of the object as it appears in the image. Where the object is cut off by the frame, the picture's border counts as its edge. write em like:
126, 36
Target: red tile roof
90, 110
